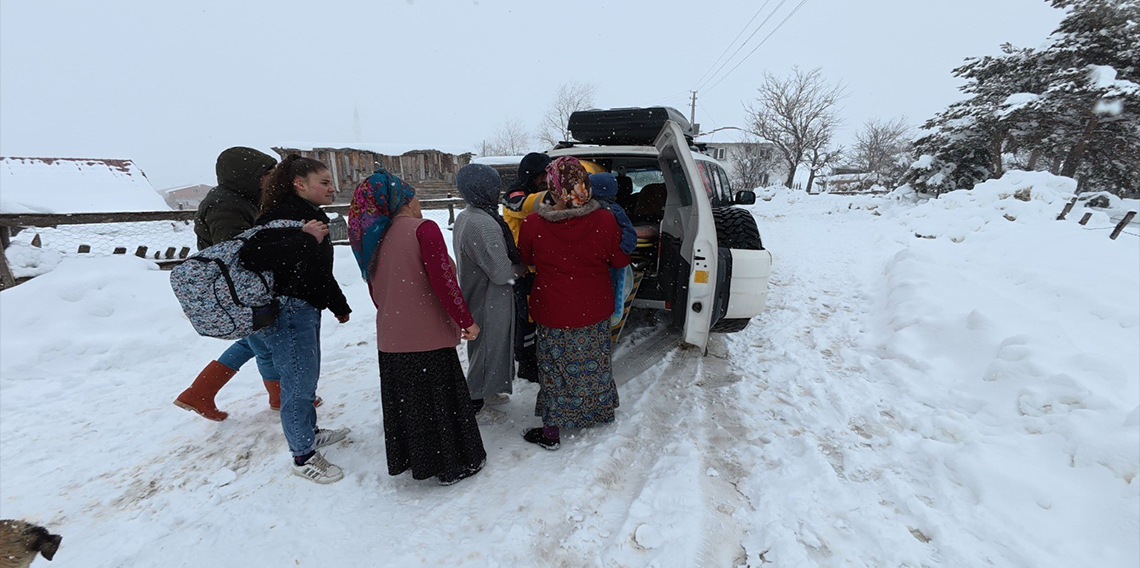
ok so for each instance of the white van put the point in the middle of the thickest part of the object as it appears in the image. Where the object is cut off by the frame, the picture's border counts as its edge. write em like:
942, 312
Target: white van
698, 256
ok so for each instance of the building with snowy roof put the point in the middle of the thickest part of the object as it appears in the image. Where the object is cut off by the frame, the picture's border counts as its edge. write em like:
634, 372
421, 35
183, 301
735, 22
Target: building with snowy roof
750, 163
75, 185
185, 196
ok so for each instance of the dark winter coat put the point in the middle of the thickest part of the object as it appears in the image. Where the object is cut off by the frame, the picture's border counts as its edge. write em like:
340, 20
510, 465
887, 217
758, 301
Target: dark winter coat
232, 206
302, 267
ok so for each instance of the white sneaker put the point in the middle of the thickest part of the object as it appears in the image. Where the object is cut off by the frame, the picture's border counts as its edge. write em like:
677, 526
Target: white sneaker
488, 415
319, 470
498, 399
326, 437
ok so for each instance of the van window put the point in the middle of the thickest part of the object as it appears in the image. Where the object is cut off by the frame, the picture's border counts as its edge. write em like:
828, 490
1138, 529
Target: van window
727, 188
642, 178
714, 173
680, 182
707, 179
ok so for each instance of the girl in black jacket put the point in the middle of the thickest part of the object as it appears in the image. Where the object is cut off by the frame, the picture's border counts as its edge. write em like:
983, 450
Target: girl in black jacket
301, 261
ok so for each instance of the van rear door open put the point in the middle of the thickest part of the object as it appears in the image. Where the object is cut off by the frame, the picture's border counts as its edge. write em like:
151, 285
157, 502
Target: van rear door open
698, 245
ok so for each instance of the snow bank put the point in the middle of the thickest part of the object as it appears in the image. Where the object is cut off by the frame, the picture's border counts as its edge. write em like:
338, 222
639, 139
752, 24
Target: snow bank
972, 398
1026, 198
66, 185
1022, 344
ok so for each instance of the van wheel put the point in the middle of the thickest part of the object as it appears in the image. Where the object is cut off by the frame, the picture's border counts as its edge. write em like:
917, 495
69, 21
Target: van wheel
736, 229
729, 325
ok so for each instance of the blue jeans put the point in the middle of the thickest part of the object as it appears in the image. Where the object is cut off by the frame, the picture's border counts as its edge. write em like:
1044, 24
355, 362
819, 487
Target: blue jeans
294, 341
245, 349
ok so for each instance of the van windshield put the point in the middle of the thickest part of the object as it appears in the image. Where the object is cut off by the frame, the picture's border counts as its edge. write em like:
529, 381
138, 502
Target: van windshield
642, 178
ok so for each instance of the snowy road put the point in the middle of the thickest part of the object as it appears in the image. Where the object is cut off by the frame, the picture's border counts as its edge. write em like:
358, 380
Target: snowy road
882, 412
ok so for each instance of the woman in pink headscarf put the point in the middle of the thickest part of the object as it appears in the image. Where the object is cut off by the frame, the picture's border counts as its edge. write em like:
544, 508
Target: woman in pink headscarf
572, 246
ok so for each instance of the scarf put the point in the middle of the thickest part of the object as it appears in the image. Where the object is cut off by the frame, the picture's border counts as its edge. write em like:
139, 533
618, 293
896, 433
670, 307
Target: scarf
374, 202
479, 185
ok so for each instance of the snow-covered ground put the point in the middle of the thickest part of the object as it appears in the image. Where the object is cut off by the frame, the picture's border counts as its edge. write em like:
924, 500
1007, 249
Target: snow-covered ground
944, 383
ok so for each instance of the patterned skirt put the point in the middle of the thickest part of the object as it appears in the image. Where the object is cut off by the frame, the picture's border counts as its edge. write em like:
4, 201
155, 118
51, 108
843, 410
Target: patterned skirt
576, 380
428, 424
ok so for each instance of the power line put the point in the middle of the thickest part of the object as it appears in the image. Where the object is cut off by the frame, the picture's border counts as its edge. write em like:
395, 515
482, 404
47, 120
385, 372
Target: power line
733, 42
725, 76
752, 35
674, 97
715, 122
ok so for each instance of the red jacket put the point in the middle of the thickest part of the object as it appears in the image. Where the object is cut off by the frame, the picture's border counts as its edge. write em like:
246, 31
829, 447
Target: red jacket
572, 252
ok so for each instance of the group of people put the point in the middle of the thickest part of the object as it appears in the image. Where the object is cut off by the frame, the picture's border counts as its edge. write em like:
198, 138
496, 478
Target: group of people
535, 283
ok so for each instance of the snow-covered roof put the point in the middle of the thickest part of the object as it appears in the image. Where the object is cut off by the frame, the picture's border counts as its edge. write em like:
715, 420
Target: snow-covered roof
75, 185
385, 148
193, 186
498, 160
726, 136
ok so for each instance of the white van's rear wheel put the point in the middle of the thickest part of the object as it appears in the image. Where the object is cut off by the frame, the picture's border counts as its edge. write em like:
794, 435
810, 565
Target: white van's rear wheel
729, 325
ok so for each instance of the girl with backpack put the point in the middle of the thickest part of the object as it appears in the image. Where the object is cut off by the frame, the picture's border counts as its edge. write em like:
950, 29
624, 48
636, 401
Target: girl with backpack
301, 261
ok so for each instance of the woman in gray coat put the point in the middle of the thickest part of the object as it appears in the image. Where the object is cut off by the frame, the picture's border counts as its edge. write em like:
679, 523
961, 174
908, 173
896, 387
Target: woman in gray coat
488, 264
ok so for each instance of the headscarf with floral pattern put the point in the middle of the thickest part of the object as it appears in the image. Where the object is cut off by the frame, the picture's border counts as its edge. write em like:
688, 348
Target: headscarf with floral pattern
374, 203
569, 181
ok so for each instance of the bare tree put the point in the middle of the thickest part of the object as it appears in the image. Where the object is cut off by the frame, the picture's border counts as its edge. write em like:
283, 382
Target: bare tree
509, 139
752, 163
881, 148
790, 111
571, 97
820, 153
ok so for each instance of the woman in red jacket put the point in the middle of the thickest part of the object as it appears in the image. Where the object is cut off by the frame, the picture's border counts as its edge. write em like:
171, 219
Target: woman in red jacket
572, 246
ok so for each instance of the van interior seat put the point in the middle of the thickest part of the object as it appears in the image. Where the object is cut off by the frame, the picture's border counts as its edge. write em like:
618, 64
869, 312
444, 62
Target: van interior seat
625, 196
650, 208
646, 232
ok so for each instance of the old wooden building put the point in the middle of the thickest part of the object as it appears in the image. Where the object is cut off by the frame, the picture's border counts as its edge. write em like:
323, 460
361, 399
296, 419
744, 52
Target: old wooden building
431, 172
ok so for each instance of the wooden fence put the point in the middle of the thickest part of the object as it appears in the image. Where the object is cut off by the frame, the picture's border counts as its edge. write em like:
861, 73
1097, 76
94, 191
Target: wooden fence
13, 223
1119, 228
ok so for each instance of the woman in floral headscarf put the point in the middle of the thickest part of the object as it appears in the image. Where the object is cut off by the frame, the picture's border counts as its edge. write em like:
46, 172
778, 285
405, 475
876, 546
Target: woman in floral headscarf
420, 317
572, 246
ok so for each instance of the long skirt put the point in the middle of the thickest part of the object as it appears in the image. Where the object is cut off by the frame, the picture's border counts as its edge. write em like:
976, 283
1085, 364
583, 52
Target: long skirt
576, 380
428, 424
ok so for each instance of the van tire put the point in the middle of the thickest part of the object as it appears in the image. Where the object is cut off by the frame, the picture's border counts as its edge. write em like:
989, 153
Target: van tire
726, 325
736, 229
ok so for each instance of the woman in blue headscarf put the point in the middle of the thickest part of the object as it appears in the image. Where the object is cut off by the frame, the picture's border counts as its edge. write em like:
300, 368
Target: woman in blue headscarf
420, 317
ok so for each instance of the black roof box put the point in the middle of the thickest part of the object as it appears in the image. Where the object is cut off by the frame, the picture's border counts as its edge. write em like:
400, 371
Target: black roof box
624, 126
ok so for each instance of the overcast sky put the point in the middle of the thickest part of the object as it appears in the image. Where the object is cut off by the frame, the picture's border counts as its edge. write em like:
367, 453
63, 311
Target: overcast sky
170, 85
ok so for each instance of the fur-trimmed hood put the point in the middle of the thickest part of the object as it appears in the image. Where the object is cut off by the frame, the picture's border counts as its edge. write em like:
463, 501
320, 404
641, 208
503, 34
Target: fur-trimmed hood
557, 215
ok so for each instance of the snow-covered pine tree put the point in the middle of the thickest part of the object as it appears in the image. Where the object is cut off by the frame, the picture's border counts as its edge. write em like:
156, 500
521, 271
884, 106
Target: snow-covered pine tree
1072, 107
1087, 117
965, 142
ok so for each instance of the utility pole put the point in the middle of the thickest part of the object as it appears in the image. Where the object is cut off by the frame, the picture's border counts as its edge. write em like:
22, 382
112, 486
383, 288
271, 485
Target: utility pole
693, 109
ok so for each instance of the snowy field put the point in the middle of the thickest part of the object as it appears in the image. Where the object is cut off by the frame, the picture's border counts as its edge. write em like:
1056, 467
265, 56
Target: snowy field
944, 383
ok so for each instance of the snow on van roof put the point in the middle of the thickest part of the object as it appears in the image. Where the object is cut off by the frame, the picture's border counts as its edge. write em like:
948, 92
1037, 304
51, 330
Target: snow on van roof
75, 185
